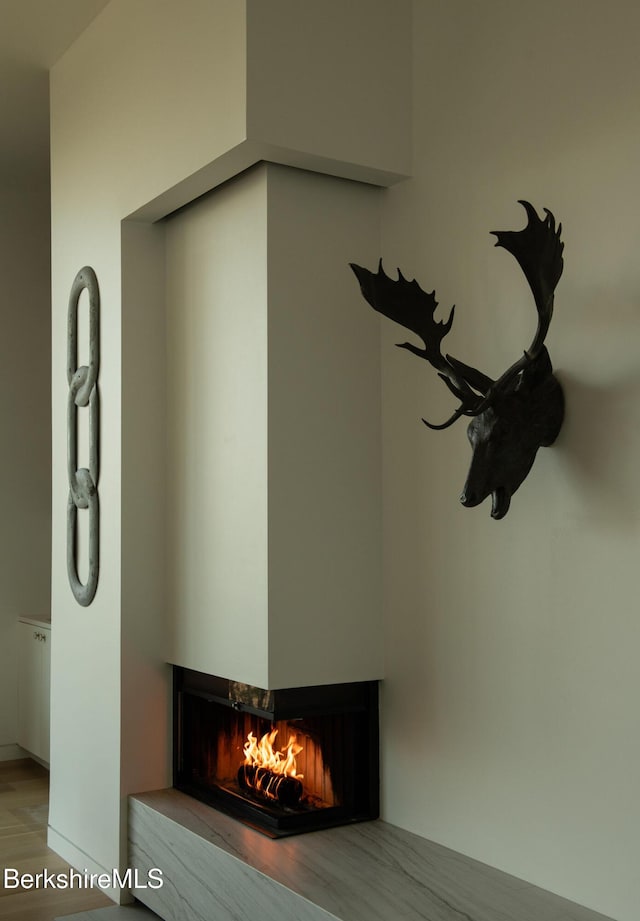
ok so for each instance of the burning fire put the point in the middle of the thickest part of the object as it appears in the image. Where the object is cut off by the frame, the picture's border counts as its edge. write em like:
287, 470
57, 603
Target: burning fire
262, 754
271, 774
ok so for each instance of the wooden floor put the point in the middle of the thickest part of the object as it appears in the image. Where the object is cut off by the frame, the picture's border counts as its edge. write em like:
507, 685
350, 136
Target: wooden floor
24, 806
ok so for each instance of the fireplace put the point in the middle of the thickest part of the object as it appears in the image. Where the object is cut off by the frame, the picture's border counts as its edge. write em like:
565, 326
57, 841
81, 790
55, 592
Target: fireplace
283, 761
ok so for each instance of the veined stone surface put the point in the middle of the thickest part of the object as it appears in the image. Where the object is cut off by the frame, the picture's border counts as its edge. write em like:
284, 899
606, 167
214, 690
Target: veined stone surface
113, 913
370, 871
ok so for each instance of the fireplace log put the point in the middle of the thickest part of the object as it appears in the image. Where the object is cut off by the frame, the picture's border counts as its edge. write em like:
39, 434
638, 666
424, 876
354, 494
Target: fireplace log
279, 788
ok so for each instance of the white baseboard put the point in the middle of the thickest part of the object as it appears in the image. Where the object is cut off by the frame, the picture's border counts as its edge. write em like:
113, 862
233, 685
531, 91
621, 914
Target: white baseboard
12, 753
82, 862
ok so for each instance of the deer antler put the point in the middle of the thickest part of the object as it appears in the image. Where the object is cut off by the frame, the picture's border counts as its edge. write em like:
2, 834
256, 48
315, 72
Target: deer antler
407, 304
538, 250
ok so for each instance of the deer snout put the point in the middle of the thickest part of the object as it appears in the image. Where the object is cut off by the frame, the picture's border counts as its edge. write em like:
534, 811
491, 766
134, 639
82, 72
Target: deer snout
500, 500
470, 498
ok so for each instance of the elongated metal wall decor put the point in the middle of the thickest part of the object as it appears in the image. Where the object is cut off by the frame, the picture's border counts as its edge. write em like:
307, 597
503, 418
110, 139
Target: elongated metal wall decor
83, 391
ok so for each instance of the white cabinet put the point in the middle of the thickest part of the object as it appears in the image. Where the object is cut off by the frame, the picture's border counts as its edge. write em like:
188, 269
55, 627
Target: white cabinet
34, 676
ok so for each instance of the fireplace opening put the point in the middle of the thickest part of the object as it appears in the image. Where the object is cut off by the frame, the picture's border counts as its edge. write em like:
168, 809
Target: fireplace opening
284, 761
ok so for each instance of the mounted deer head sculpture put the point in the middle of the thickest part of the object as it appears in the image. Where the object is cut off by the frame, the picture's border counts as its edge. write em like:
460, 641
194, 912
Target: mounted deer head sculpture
523, 409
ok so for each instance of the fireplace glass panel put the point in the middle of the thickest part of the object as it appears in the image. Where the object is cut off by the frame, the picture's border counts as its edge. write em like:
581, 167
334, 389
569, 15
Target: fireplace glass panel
283, 761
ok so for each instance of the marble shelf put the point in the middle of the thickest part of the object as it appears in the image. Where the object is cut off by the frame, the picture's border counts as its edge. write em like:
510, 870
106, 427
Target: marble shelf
113, 913
214, 867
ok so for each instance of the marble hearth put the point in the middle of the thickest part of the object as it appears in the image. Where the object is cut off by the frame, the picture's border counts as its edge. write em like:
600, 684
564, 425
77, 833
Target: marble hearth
214, 867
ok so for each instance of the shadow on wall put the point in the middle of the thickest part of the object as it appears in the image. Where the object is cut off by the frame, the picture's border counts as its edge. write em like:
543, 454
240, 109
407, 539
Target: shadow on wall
600, 445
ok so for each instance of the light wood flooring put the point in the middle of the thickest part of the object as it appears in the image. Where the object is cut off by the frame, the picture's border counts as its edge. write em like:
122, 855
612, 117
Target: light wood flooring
24, 807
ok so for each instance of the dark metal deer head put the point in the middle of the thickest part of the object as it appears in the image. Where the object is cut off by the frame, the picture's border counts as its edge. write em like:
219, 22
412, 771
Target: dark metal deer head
523, 409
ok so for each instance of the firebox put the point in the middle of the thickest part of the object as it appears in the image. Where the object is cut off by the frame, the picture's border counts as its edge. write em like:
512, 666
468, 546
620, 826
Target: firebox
282, 761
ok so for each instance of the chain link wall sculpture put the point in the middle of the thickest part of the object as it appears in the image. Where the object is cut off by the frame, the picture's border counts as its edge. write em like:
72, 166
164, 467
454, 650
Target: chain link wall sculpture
83, 391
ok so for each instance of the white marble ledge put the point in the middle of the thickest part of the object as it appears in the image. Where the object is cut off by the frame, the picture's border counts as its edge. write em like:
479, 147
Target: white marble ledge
371, 871
113, 913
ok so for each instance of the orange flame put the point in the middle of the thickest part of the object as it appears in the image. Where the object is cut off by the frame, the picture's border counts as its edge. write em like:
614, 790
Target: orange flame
262, 754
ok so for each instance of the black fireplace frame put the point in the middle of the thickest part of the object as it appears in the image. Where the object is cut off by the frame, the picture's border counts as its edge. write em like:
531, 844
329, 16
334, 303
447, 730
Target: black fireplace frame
356, 702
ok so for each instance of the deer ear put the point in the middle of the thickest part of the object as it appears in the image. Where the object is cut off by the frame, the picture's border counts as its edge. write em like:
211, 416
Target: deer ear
536, 371
542, 392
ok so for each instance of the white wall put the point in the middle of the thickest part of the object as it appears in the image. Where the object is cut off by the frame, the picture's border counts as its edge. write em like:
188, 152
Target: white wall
325, 543
119, 123
145, 749
331, 81
217, 554
149, 110
25, 364
273, 433
510, 705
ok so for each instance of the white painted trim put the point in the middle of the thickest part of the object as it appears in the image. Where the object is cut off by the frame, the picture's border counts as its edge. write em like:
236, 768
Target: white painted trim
242, 157
12, 752
82, 862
